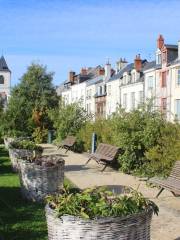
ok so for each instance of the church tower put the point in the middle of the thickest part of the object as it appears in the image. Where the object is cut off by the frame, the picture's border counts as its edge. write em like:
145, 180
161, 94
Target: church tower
5, 80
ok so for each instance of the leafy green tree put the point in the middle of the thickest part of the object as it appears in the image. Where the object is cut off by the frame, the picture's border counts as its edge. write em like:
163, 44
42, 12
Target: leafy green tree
30, 101
68, 119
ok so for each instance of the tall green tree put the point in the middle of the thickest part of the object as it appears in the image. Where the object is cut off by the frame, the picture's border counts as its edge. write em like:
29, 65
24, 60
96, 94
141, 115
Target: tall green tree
30, 101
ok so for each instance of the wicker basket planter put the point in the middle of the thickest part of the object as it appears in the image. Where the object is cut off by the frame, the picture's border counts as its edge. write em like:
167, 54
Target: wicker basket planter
132, 227
16, 154
37, 181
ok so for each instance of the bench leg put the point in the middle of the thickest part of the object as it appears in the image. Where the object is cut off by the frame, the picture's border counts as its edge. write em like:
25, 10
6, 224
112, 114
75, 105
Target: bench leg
67, 149
105, 166
88, 161
176, 195
159, 192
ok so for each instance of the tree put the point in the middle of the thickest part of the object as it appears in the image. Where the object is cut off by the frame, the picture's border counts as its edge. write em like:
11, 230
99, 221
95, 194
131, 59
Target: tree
68, 120
30, 101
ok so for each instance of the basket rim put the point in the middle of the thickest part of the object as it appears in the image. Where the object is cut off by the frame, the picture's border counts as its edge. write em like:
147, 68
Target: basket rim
51, 212
32, 164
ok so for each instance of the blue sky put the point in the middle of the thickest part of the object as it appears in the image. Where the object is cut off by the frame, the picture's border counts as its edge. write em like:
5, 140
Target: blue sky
67, 35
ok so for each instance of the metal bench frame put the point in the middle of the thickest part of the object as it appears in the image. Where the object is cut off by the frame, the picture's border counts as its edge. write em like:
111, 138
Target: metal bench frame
172, 183
104, 154
68, 143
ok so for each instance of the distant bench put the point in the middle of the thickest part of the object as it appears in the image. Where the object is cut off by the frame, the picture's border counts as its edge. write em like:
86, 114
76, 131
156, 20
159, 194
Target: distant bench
172, 183
104, 154
67, 143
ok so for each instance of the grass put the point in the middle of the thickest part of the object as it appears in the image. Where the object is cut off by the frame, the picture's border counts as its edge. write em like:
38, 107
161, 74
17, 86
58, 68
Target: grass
19, 219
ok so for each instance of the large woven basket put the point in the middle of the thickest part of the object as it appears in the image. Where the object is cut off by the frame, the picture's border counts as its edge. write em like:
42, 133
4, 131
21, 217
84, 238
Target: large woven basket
16, 154
133, 227
38, 181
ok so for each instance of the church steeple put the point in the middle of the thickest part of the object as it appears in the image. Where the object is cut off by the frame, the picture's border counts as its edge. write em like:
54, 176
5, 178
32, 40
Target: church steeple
3, 64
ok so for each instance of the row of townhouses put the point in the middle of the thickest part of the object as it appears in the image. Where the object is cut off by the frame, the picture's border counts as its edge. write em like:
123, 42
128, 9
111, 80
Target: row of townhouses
5, 80
101, 90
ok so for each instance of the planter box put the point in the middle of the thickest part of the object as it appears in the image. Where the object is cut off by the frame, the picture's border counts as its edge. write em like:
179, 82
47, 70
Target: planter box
16, 154
132, 227
38, 181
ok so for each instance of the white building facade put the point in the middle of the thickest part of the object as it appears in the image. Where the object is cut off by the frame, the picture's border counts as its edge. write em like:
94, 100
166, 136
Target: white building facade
132, 85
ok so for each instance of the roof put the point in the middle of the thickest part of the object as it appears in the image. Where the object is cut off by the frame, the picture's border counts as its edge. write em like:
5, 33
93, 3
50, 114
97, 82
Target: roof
118, 75
95, 80
149, 65
171, 46
3, 65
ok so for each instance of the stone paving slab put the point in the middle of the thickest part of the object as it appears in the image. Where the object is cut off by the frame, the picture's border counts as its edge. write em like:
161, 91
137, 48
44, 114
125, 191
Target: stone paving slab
166, 226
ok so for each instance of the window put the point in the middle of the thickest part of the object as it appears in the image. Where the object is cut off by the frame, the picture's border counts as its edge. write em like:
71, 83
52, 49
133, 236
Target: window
90, 93
125, 79
141, 97
164, 57
124, 100
1, 79
133, 77
150, 82
109, 90
163, 79
163, 104
132, 100
89, 108
100, 90
177, 106
178, 78
159, 58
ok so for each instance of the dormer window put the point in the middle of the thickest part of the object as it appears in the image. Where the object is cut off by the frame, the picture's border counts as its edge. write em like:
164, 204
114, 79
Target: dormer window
158, 58
1, 79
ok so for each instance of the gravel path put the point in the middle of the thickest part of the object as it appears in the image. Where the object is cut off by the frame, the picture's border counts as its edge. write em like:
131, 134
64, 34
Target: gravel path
166, 226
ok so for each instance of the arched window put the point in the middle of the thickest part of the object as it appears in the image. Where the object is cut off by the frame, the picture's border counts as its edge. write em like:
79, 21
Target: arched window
1, 79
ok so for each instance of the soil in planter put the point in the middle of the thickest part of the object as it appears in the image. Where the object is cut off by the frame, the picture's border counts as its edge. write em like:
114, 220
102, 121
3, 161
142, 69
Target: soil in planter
44, 161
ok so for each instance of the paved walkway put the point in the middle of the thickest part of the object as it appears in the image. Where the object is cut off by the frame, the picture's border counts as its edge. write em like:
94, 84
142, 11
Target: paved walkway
166, 226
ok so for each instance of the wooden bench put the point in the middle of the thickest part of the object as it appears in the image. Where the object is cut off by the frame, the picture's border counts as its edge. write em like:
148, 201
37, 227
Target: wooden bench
68, 143
104, 154
172, 183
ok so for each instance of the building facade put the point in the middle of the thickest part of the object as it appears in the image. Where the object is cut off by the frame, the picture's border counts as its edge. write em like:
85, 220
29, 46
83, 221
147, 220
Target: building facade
102, 90
5, 81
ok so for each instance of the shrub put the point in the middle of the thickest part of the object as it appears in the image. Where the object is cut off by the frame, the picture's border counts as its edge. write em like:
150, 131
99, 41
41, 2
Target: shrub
135, 133
25, 144
98, 202
40, 135
162, 156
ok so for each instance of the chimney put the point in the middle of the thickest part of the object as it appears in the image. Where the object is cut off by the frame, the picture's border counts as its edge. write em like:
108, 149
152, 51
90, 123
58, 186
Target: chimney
160, 41
121, 64
138, 63
71, 76
100, 71
83, 71
107, 69
179, 50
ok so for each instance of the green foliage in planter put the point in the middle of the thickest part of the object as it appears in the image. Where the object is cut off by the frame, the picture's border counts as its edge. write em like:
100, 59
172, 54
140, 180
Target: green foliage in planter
25, 144
99, 202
